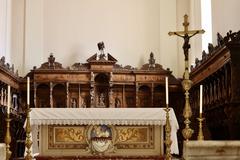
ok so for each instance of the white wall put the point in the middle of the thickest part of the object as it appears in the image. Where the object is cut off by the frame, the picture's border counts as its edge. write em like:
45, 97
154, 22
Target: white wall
5, 29
2, 27
225, 17
183, 7
17, 35
131, 29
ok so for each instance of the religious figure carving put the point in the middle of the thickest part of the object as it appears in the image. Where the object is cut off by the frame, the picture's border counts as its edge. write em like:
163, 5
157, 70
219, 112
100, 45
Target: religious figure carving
111, 76
101, 100
117, 102
74, 103
186, 35
186, 46
92, 76
83, 105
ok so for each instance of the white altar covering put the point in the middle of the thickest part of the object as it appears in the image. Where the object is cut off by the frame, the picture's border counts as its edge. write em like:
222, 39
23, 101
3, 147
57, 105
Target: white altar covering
99, 116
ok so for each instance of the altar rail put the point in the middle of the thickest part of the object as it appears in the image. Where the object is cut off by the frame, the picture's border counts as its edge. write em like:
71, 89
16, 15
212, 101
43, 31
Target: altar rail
218, 72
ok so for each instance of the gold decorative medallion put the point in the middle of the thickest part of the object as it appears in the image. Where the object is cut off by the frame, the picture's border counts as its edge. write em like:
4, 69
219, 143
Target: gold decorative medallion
101, 139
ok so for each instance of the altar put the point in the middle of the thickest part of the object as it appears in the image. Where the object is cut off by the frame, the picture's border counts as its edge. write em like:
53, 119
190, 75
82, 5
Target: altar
109, 132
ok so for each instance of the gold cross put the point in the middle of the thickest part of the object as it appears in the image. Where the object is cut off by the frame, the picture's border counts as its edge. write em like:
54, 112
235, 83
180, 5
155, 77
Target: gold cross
186, 31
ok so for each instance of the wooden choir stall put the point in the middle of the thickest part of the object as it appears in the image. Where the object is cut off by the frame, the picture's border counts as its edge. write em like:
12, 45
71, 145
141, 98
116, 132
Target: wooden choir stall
218, 72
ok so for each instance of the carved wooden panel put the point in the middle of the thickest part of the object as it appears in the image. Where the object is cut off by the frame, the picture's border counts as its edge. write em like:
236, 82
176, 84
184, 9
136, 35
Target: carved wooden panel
47, 77
150, 78
123, 78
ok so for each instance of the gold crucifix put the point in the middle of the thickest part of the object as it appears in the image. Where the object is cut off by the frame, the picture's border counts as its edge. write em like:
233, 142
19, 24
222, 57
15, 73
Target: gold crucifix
186, 35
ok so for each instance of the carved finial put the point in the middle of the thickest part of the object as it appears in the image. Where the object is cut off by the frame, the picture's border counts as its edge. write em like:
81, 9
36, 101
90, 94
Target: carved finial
2, 61
8, 66
204, 55
151, 61
197, 62
101, 48
220, 39
51, 60
192, 67
12, 68
210, 48
16, 73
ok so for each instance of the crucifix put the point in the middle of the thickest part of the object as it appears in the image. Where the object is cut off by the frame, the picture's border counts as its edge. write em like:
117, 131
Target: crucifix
186, 35
186, 83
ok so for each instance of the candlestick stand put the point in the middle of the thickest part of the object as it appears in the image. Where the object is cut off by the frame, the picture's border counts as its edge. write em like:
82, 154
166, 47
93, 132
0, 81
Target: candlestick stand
8, 138
168, 140
187, 111
200, 132
28, 142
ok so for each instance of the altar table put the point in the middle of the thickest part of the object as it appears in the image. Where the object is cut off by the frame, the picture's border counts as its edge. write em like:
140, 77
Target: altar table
101, 131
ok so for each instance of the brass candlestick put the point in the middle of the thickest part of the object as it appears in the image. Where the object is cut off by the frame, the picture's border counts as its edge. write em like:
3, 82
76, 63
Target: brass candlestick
28, 142
168, 140
187, 111
8, 138
200, 132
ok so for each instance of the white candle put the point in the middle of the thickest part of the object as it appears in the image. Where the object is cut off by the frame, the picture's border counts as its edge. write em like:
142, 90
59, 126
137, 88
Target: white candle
8, 100
201, 89
166, 79
28, 91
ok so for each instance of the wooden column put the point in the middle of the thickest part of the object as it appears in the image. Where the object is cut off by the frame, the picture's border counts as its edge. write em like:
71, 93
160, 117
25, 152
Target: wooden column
111, 103
92, 95
137, 89
67, 94
1, 96
51, 96
5, 98
35, 94
123, 96
110, 94
92, 91
79, 96
152, 94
